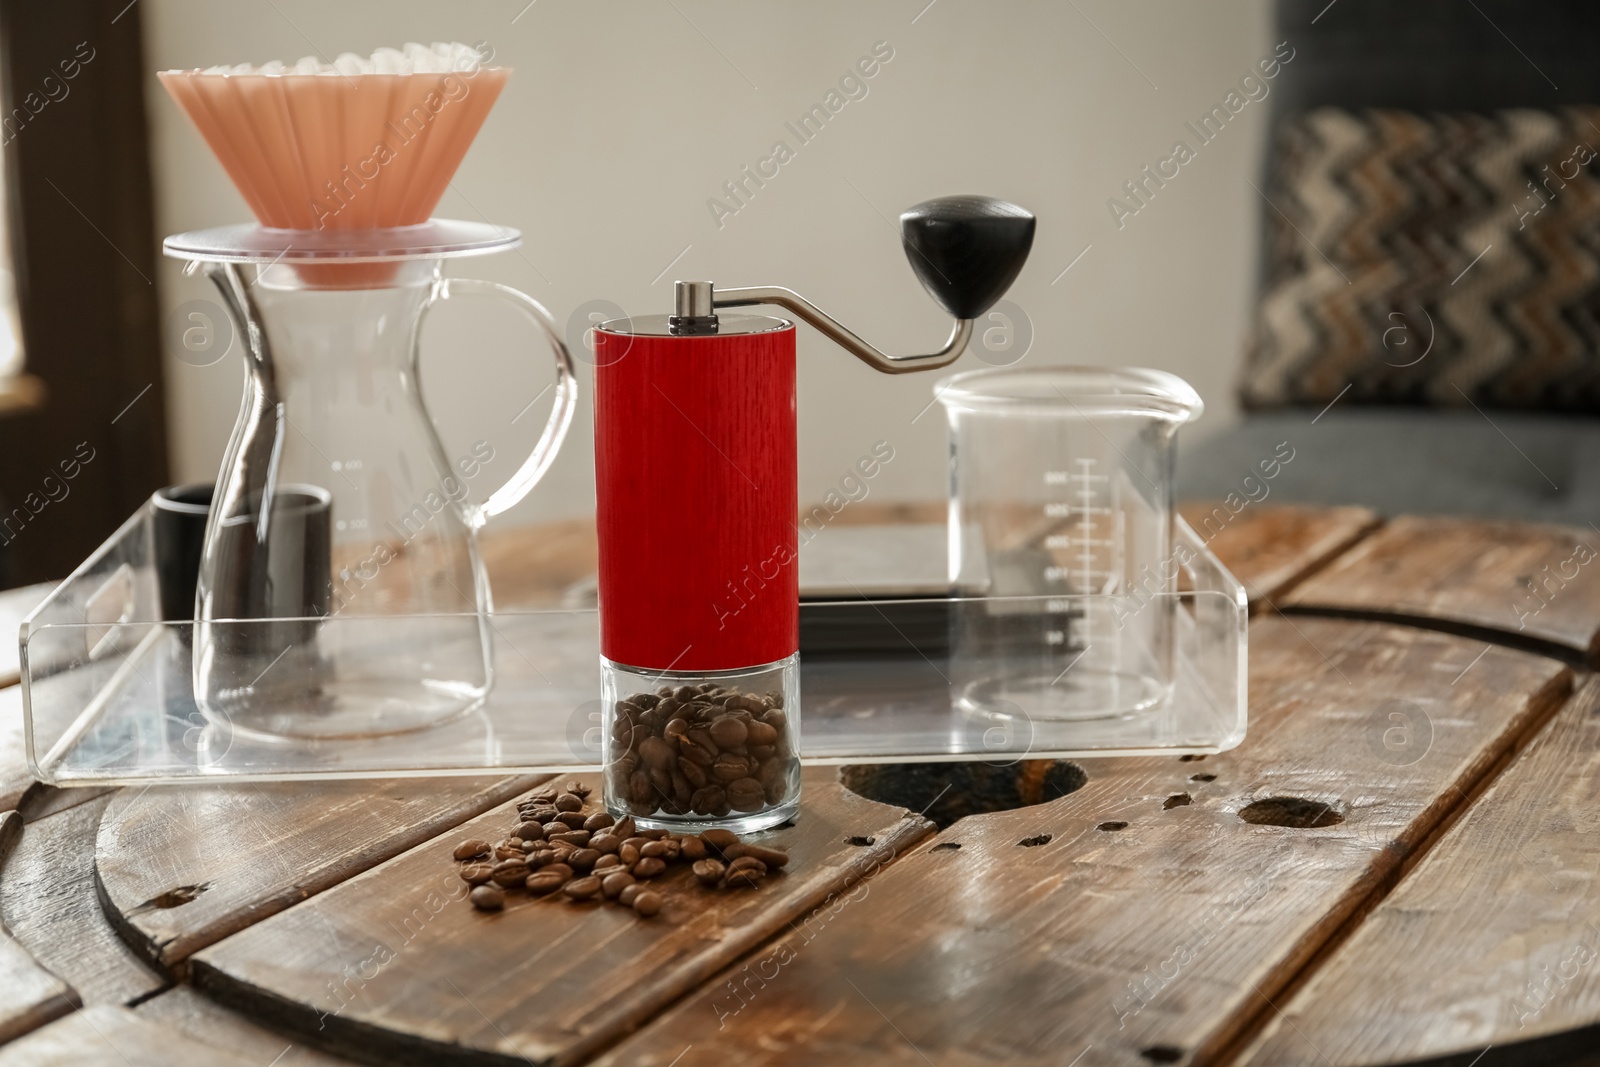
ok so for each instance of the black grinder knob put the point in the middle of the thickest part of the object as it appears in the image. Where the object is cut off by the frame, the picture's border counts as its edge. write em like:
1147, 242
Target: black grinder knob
967, 250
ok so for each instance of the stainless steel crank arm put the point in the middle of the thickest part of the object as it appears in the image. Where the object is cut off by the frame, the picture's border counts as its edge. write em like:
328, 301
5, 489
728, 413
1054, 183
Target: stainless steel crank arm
840, 334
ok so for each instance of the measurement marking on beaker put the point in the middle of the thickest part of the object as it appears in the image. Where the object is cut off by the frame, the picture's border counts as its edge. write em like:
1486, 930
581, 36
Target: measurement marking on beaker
1068, 541
1062, 574
1087, 543
1060, 509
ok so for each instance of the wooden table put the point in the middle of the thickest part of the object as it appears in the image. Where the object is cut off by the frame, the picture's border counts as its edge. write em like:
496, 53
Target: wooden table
1398, 866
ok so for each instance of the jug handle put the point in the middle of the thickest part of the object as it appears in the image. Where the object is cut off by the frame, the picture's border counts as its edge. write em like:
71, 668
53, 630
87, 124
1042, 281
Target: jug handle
566, 401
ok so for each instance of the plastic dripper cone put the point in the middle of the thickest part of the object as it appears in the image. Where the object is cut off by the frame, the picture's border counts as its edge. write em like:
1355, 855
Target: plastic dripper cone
331, 150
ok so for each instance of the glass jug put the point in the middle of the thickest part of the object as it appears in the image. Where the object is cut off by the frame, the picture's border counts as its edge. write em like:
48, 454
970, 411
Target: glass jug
341, 590
1061, 494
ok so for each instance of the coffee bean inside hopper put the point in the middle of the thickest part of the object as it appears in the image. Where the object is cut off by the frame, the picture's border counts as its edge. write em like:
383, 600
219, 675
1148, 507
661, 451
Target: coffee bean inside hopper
702, 751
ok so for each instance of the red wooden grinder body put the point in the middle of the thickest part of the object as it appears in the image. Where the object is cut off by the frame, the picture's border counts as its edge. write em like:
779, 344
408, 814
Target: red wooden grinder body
695, 469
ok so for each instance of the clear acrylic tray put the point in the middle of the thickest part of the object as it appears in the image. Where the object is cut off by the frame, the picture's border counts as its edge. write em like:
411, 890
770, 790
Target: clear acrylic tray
108, 697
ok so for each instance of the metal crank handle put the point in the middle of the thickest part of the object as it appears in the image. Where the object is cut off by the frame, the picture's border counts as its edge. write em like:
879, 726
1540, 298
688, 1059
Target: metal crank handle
966, 251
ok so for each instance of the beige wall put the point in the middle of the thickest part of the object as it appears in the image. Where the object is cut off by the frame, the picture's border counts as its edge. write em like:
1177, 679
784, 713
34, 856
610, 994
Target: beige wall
622, 120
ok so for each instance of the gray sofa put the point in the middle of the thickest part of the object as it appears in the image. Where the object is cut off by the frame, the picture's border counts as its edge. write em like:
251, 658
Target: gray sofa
1425, 56
1527, 466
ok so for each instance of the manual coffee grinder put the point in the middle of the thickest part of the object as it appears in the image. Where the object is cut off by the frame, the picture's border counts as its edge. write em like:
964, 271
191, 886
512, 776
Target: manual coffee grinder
695, 463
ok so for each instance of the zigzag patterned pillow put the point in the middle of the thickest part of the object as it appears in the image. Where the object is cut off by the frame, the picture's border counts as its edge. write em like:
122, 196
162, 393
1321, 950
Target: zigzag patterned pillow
1432, 259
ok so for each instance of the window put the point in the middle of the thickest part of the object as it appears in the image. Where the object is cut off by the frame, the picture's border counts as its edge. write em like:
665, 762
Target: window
10, 334
10, 331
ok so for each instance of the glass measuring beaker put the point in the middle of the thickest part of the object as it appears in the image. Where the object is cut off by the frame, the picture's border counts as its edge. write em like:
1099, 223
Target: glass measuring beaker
1061, 502
341, 591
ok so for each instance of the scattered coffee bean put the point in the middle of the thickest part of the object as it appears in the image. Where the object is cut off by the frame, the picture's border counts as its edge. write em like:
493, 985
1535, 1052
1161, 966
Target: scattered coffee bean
742, 880
582, 888
543, 882
508, 873
719, 839
772, 857
477, 873
471, 850
586, 856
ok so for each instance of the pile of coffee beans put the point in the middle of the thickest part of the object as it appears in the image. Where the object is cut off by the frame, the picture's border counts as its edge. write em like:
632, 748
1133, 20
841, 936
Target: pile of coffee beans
704, 751
560, 849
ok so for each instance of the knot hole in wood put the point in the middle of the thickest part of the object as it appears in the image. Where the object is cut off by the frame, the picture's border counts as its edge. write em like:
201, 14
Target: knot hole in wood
945, 792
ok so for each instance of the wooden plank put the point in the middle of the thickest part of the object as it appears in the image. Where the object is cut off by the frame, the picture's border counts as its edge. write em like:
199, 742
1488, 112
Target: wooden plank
41, 801
48, 902
1492, 940
17, 787
30, 996
14, 607
1271, 549
1534, 583
199, 1018
182, 867
394, 963
18, 790
534, 566
1133, 921
106, 1034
